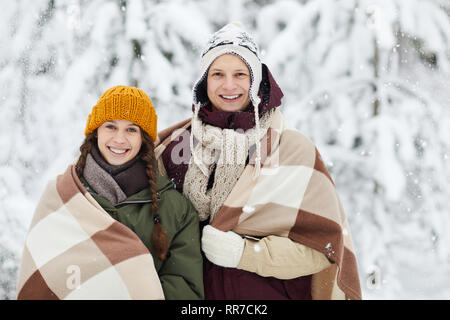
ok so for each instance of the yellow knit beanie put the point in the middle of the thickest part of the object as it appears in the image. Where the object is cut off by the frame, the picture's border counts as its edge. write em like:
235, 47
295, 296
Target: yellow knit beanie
124, 103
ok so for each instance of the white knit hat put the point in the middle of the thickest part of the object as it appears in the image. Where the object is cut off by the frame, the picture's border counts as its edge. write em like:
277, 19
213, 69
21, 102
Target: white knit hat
230, 39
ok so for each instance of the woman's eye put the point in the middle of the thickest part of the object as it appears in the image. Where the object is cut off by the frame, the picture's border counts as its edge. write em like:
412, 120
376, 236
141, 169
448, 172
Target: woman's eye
132, 130
110, 126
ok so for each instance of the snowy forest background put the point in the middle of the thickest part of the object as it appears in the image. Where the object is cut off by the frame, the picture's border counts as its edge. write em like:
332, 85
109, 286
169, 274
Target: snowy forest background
368, 81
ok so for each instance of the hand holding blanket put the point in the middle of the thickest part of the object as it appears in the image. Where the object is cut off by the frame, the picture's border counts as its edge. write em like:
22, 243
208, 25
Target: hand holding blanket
222, 248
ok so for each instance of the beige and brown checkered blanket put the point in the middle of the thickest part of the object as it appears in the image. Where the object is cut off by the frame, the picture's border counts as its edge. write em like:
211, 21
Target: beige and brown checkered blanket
75, 250
293, 197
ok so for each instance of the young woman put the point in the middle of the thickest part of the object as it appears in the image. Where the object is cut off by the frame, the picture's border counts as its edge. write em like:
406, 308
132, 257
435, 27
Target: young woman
111, 227
273, 224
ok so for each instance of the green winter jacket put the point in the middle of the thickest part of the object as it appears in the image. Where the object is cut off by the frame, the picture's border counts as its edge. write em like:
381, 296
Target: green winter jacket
181, 273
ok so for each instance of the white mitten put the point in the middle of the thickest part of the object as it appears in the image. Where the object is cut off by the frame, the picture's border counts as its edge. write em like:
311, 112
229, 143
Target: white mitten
222, 248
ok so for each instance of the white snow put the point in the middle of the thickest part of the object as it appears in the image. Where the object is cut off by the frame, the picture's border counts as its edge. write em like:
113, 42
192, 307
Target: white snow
248, 209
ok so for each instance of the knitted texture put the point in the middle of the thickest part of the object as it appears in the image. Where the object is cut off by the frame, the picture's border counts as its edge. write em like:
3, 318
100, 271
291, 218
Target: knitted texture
124, 103
224, 149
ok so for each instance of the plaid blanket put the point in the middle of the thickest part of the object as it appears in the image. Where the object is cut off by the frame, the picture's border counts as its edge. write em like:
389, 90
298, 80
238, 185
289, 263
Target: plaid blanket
75, 250
293, 197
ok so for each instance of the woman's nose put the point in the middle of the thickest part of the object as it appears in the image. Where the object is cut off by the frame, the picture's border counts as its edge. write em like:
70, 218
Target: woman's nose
119, 136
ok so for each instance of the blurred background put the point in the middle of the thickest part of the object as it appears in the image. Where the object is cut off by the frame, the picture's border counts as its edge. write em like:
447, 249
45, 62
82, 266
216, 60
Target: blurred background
367, 80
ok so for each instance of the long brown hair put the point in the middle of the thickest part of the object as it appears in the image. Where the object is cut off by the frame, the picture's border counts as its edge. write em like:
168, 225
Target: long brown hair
147, 154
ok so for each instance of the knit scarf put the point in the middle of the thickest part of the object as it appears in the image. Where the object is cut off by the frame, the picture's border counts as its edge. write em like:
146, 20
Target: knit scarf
114, 183
222, 152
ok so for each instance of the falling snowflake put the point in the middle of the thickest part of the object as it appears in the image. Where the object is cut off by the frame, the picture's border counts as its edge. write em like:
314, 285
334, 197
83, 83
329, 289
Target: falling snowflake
330, 250
248, 209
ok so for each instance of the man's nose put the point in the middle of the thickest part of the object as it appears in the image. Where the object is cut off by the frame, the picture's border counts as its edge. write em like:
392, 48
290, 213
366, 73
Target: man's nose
229, 83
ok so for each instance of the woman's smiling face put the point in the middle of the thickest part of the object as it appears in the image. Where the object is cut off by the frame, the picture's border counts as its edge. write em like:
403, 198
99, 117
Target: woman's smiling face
119, 141
228, 83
